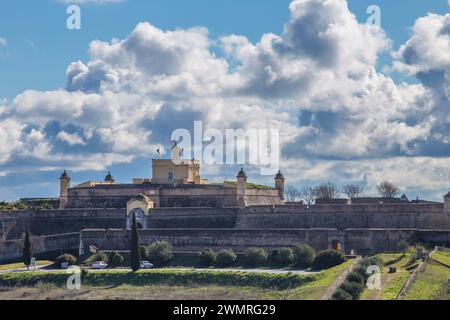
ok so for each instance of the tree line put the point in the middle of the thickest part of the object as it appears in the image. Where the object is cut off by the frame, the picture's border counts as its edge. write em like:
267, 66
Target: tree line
329, 190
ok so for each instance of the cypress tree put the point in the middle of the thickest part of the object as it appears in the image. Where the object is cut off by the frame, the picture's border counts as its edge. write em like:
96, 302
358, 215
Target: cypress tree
27, 249
135, 253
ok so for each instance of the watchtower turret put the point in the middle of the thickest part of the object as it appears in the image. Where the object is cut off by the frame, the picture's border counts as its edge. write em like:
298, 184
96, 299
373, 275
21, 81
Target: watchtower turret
64, 185
241, 186
279, 184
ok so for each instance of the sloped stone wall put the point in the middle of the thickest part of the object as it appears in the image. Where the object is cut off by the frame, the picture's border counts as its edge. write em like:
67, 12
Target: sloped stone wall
48, 222
49, 245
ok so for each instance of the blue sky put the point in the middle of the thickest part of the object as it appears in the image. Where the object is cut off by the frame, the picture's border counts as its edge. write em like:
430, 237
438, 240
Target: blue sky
40, 47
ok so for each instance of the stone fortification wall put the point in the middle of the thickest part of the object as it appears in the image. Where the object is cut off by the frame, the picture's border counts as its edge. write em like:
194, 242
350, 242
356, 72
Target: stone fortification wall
420, 216
191, 218
363, 241
46, 222
198, 239
42, 246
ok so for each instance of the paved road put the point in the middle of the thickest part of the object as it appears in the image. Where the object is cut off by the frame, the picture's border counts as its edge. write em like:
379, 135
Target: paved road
25, 269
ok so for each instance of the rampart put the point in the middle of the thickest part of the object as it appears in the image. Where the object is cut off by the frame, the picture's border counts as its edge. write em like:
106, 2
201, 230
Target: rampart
48, 246
363, 241
47, 222
419, 216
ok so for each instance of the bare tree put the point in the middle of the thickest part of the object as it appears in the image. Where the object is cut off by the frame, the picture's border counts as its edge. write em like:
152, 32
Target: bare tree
388, 190
326, 191
308, 195
292, 194
352, 190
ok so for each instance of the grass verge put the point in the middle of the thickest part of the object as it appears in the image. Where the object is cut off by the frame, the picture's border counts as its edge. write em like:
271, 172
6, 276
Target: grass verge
165, 277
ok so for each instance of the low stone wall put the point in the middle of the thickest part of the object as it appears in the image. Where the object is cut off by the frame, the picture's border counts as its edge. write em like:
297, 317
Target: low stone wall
55, 244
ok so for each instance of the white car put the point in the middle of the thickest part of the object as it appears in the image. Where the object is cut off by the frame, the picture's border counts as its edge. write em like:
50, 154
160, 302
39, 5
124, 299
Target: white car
146, 265
99, 265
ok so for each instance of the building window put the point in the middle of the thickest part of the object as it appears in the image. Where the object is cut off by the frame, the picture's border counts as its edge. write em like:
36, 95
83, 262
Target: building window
170, 176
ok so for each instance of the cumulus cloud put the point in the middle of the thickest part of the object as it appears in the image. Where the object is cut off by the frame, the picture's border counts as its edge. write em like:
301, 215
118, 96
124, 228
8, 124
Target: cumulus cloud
316, 82
3, 42
71, 139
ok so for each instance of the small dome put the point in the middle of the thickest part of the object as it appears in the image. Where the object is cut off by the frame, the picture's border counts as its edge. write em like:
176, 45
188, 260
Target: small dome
279, 176
109, 177
65, 175
242, 174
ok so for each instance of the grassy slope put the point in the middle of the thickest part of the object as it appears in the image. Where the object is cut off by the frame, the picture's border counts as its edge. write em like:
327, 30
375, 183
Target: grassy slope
428, 283
315, 289
165, 277
442, 257
20, 265
155, 284
127, 292
392, 283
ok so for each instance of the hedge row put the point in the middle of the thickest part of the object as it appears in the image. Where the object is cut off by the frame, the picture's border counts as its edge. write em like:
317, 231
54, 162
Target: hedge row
355, 282
301, 256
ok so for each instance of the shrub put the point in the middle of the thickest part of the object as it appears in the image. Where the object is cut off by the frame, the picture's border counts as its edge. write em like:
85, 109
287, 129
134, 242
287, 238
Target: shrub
341, 295
144, 252
115, 259
225, 258
356, 277
160, 252
255, 256
328, 259
70, 259
208, 257
304, 256
353, 288
99, 256
282, 256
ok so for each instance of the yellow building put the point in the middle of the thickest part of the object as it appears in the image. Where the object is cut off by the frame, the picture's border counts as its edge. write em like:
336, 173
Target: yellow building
176, 170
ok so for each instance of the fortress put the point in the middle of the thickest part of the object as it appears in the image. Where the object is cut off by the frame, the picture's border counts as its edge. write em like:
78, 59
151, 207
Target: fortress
179, 206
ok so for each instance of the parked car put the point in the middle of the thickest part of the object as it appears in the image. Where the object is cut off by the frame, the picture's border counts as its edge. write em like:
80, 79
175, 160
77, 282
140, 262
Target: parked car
99, 265
146, 265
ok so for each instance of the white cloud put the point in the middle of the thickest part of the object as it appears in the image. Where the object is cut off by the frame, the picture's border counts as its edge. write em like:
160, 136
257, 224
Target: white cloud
317, 82
3, 42
71, 139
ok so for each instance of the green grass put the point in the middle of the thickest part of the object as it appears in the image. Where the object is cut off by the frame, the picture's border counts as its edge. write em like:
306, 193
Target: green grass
250, 185
316, 289
392, 283
128, 292
428, 283
166, 277
266, 285
442, 257
20, 265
